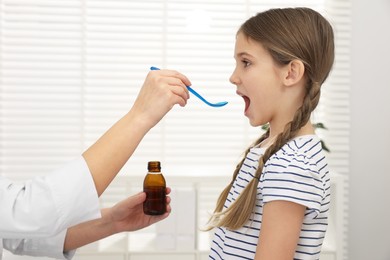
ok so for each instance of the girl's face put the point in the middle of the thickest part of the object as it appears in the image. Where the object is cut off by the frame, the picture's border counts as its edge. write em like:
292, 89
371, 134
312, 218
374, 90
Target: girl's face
258, 79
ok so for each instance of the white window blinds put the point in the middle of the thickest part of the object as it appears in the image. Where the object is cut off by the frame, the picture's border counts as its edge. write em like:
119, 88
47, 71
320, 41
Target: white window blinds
69, 69
41, 85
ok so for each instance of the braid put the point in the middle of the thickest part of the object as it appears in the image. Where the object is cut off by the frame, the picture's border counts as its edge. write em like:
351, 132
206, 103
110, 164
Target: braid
301, 117
218, 212
241, 209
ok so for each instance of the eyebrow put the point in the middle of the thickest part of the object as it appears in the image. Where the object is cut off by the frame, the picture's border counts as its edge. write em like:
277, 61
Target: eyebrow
240, 54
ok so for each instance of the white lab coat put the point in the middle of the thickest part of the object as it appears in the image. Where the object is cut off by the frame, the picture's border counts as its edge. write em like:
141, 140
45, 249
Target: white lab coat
34, 215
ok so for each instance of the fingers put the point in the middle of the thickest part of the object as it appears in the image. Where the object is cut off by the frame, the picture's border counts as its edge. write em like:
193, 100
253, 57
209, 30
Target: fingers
168, 201
178, 95
134, 200
178, 88
155, 219
161, 90
175, 74
140, 197
176, 81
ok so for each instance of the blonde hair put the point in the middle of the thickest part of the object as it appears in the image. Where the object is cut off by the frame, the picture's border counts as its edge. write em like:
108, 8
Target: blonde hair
288, 34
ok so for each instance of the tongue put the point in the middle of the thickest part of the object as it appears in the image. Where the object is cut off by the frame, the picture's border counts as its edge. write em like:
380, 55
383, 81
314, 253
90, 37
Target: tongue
247, 102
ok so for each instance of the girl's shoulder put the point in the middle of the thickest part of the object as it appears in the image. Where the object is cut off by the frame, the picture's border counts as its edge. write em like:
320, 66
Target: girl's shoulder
306, 149
304, 145
297, 172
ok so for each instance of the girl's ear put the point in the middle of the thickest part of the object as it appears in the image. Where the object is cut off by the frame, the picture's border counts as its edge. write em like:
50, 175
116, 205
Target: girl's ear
295, 71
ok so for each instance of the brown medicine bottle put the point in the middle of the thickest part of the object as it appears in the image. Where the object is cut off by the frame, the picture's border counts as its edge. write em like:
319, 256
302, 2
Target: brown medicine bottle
155, 189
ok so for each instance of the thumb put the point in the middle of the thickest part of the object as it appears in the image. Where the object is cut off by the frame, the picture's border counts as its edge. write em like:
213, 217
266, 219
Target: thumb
135, 199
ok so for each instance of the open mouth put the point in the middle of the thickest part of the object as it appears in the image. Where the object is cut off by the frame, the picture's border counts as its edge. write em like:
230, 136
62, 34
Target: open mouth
247, 102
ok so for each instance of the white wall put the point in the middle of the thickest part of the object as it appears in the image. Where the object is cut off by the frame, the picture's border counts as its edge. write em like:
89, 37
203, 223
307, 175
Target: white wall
369, 213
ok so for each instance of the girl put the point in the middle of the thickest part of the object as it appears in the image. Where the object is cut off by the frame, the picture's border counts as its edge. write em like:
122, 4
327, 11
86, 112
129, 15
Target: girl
276, 205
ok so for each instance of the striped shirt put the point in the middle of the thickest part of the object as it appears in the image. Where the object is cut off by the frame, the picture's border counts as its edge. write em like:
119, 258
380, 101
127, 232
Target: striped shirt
298, 172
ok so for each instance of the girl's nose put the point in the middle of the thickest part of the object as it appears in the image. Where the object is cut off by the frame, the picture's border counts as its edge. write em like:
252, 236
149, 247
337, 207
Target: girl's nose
233, 78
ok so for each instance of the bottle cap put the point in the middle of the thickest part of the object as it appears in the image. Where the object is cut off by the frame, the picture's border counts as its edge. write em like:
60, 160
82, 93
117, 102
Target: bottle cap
154, 165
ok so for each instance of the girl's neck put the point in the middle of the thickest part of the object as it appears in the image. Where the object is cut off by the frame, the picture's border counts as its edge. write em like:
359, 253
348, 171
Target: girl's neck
307, 129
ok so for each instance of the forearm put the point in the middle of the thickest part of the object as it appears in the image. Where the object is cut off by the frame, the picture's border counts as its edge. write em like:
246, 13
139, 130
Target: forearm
127, 215
160, 92
107, 156
88, 232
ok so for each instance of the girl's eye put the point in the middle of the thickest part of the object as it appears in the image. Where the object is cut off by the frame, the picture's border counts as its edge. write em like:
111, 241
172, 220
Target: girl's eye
246, 63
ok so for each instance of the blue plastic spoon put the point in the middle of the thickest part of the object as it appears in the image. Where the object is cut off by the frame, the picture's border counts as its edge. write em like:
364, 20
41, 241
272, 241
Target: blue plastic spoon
219, 104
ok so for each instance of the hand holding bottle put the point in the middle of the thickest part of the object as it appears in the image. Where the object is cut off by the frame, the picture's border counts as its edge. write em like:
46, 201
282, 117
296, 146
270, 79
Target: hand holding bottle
126, 215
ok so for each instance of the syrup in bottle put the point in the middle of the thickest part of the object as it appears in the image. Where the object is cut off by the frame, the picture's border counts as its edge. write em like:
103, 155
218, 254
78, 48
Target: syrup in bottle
155, 189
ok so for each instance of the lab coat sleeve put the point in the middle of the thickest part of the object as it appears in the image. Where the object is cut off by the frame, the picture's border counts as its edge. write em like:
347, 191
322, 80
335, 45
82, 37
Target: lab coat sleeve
47, 247
45, 206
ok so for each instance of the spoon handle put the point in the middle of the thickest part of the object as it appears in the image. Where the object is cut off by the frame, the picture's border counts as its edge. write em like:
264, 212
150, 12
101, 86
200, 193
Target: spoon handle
198, 95
219, 104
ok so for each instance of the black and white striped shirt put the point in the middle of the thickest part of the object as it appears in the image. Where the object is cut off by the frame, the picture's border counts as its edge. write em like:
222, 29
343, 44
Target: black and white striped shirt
298, 172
